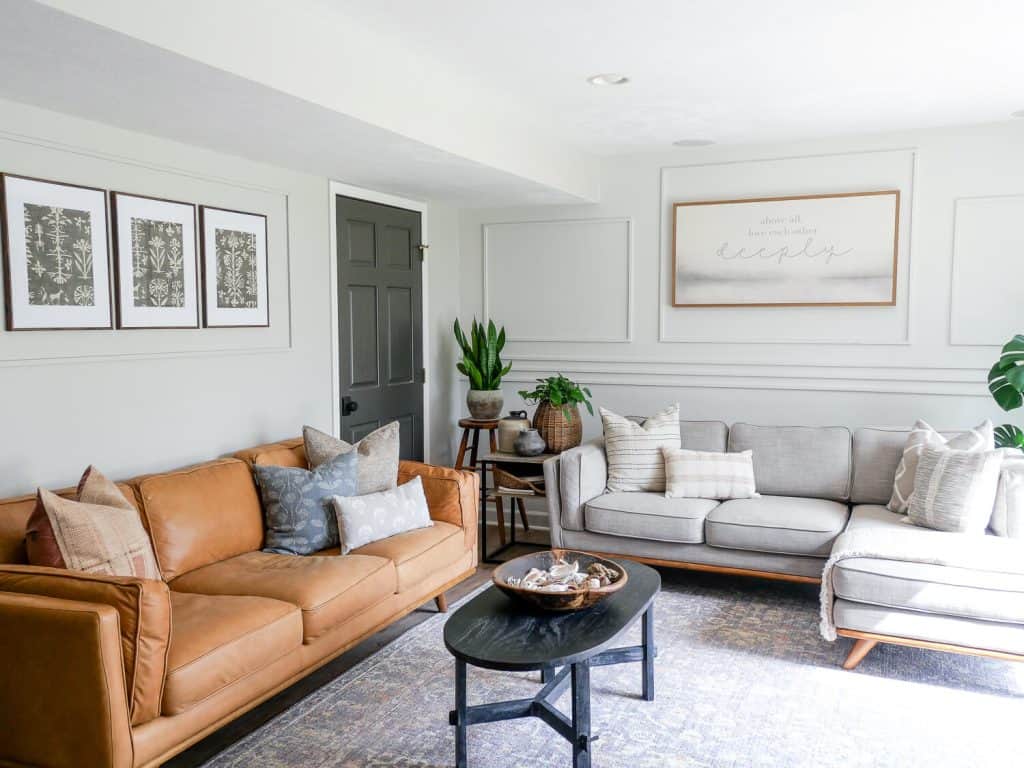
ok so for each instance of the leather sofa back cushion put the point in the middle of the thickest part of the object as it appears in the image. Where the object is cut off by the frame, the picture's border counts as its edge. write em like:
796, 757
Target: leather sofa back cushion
202, 515
14, 515
287, 453
797, 461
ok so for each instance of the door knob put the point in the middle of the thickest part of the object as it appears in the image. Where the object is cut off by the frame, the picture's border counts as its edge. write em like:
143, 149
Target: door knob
348, 406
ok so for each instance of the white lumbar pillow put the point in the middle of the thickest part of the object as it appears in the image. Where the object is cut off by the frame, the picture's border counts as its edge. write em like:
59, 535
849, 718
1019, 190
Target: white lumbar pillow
375, 516
708, 474
634, 455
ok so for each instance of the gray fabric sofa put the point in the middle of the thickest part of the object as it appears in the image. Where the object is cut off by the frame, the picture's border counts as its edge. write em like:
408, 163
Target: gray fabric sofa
816, 483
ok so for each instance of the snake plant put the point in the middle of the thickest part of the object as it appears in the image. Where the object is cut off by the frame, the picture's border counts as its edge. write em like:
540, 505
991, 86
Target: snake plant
481, 355
1006, 383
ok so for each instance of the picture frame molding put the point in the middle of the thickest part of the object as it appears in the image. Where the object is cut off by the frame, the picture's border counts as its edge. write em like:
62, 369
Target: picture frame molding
203, 286
5, 251
784, 198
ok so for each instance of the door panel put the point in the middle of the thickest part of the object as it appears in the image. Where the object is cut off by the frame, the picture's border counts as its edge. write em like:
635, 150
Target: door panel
380, 295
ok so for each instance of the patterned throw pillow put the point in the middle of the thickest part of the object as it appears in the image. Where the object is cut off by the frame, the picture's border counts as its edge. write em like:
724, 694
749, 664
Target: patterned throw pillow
378, 455
923, 436
1008, 512
101, 532
955, 490
708, 474
634, 455
297, 509
376, 516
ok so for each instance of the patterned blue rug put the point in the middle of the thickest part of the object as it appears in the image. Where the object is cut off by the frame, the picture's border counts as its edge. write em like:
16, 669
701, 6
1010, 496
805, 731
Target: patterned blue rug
742, 678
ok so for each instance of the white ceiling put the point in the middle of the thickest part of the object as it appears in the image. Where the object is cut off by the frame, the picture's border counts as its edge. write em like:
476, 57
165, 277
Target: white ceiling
734, 71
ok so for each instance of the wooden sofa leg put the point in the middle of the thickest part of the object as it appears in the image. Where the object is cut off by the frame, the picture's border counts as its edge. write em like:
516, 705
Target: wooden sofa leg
860, 649
442, 603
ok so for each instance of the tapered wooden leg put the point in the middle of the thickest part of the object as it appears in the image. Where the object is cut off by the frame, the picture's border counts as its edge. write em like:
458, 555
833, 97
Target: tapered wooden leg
860, 649
522, 513
442, 603
499, 508
494, 441
463, 444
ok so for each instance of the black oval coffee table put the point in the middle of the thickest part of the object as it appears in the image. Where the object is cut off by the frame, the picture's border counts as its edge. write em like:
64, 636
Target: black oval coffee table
495, 632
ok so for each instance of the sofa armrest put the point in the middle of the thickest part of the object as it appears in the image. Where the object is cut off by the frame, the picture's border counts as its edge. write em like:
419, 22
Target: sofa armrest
143, 609
582, 476
63, 701
453, 495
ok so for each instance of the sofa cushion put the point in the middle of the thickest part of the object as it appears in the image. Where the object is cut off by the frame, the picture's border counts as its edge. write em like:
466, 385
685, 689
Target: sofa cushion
931, 588
420, 553
218, 640
704, 435
797, 461
201, 515
648, 516
781, 524
329, 590
287, 453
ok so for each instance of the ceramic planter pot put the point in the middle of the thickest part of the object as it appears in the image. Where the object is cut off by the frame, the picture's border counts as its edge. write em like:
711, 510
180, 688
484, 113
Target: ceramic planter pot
484, 404
529, 443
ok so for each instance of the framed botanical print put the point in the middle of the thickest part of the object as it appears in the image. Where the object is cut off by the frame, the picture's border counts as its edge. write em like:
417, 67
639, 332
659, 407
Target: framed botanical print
155, 262
56, 265
234, 249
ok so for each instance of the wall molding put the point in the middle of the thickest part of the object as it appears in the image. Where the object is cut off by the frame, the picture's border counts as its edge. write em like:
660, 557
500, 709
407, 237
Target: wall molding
630, 279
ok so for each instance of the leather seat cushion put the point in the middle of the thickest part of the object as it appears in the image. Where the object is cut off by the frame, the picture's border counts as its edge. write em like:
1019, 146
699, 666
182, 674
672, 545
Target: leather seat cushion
217, 640
328, 590
786, 525
420, 553
648, 516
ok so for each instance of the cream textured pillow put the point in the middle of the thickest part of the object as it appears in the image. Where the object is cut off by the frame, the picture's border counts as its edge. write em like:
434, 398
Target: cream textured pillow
1008, 512
923, 436
376, 516
708, 474
378, 455
955, 490
634, 455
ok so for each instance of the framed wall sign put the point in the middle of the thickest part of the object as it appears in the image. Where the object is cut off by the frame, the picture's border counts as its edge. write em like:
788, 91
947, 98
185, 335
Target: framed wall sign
56, 263
234, 250
799, 251
156, 263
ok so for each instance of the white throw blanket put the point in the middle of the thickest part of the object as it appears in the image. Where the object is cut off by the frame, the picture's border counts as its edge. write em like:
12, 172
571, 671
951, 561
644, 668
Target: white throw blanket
918, 545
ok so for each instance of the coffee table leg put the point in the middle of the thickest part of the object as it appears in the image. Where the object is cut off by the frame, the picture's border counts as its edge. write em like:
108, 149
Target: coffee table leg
460, 713
581, 714
546, 674
647, 633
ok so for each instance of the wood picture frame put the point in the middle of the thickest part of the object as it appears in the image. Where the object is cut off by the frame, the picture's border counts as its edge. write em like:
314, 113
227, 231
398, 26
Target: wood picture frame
67, 262
711, 268
156, 262
235, 267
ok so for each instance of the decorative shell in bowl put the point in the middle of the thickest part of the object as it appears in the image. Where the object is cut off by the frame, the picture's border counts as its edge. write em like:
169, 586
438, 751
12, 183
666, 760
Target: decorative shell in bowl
560, 579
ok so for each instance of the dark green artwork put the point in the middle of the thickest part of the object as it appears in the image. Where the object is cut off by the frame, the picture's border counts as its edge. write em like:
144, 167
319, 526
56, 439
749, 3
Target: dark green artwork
236, 269
58, 247
158, 266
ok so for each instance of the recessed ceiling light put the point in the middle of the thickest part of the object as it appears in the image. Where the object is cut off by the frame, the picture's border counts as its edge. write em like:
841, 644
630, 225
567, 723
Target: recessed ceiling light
1018, 113
693, 143
608, 78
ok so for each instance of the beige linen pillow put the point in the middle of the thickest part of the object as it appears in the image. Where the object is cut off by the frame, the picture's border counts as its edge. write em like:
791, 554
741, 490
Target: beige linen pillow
634, 455
922, 436
378, 455
708, 474
955, 490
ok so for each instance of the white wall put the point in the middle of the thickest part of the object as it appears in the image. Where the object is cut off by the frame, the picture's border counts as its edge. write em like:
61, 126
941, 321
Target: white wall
852, 366
148, 400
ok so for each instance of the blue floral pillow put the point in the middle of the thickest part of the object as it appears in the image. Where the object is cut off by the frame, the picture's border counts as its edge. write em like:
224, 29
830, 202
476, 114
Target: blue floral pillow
297, 511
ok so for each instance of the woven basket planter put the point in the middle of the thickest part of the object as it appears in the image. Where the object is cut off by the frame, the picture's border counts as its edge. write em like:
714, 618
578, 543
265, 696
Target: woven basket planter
558, 432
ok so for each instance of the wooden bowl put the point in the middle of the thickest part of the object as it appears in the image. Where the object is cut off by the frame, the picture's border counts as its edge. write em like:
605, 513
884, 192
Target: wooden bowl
556, 601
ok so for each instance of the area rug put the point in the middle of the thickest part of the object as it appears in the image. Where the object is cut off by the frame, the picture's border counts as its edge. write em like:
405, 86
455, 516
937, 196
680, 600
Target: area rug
742, 680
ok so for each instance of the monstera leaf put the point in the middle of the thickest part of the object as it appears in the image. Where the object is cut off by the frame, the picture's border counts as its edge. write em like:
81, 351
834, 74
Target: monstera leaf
1006, 379
1009, 436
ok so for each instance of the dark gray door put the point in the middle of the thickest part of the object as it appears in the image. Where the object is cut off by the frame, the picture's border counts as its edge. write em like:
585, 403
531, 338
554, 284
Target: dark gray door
380, 317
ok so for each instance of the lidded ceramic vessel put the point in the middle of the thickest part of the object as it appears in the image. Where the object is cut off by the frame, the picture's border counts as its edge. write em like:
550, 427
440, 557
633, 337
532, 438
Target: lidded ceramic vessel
509, 429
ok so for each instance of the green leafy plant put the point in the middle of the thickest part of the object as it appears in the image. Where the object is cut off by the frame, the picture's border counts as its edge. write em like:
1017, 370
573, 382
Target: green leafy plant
559, 392
1006, 383
481, 355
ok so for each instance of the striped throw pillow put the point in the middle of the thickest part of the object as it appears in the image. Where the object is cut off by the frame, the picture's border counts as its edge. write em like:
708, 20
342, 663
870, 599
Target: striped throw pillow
708, 474
634, 455
922, 436
955, 490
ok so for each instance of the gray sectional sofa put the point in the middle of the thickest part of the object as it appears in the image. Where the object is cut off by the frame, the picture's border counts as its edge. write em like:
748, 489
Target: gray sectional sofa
815, 483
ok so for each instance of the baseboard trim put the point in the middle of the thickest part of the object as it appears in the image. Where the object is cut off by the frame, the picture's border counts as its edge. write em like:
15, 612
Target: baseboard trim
930, 645
773, 575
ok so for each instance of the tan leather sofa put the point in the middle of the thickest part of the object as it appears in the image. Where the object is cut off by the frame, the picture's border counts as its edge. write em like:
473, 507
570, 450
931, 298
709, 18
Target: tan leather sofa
102, 671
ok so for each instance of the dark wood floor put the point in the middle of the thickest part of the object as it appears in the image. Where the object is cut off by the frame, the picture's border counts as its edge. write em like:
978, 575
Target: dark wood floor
269, 709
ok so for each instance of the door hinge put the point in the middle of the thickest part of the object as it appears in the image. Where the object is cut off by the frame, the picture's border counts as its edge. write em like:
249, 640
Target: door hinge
423, 376
423, 251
